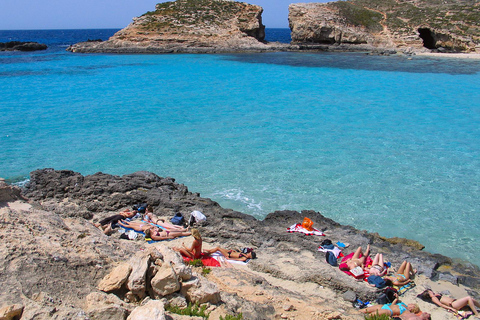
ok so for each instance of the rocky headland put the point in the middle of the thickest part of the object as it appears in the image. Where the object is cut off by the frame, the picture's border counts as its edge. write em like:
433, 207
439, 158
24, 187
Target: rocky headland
391, 26
22, 46
189, 26
57, 265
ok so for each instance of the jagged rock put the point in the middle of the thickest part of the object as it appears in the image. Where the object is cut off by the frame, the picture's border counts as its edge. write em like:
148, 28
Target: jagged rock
101, 306
116, 278
172, 258
387, 26
165, 282
11, 312
153, 309
189, 26
136, 282
8, 192
200, 290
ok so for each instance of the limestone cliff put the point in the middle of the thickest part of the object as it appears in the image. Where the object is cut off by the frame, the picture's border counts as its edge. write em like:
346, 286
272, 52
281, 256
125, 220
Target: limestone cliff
400, 25
197, 26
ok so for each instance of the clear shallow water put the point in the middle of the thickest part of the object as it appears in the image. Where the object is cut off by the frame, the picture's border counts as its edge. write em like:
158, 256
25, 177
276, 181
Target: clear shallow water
386, 144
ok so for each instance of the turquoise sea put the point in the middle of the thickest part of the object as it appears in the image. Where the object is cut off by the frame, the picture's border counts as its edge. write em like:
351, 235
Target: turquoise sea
388, 144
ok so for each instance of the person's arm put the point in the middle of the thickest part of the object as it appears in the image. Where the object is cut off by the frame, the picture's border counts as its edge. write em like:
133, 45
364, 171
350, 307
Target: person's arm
401, 283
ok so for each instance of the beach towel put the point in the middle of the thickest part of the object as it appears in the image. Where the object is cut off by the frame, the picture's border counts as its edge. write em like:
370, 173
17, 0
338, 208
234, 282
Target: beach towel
207, 261
299, 228
128, 231
402, 289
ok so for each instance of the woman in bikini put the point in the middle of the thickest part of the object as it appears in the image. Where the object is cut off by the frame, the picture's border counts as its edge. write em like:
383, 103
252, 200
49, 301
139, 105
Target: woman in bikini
395, 308
107, 224
150, 218
233, 254
378, 266
154, 232
357, 260
195, 251
448, 303
402, 277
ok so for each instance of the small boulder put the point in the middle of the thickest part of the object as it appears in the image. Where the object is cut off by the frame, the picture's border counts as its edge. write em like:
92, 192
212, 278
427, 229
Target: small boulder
10, 312
165, 282
153, 309
116, 278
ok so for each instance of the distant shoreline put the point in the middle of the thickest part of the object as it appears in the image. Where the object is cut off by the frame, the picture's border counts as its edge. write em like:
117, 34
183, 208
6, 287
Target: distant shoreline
475, 56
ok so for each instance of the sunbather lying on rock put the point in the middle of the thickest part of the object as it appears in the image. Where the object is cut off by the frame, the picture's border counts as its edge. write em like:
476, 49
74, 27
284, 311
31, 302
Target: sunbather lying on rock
448, 303
395, 308
233, 254
149, 217
107, 224
153, 232
378, 266
357, 260
195, 251
402, 276
407, 315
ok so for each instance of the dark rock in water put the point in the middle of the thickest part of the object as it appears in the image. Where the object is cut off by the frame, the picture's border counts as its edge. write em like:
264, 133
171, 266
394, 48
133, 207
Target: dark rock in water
22, 46
293, 257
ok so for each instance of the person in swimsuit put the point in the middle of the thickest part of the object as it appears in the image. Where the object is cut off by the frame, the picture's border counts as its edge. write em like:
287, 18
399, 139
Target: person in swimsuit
448, 303
195, 251
158, 234
395, 308
402, 277
150, 218
107, 224
378, 266
233, 254
357, 260
154, 232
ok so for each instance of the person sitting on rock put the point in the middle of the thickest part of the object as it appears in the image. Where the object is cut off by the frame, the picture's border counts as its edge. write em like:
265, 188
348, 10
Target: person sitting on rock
150, 218
108, 224
395, 308
357, 260
233, 254
402, 276
195, 251
448, 303
154, 233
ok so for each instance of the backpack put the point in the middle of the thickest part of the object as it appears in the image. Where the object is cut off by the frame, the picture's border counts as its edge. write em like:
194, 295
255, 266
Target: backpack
377, 281
387, 296
141, 208
331, 259
178, 219
196, 217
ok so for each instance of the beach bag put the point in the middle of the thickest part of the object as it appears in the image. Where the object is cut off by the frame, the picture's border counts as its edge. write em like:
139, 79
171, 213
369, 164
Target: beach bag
377, 281
178, 219
141, 208
387, 296
307, 224
330, 258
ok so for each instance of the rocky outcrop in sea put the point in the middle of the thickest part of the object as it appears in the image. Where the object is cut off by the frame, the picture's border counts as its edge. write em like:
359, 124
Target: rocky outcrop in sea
57, 265
189, 26
387, 26
22, 46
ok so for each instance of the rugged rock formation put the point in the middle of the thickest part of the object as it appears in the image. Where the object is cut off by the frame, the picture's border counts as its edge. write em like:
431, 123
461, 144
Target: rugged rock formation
57, 265
22, 46
444, 26
193, 26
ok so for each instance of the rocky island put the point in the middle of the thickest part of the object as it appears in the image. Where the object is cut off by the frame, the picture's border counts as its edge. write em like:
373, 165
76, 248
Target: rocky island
22, 46
189, 26
57, 265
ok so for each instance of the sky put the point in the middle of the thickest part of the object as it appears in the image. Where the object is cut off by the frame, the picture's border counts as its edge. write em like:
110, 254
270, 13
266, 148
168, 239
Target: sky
99, 14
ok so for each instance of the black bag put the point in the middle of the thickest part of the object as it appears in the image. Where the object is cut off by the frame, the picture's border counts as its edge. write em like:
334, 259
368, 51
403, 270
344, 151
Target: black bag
387, 295
140, 207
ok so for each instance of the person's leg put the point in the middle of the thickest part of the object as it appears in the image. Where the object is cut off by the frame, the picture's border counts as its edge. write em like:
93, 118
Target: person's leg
357, 253
402, 267
460, 303
376, 260
184, 252
380, 260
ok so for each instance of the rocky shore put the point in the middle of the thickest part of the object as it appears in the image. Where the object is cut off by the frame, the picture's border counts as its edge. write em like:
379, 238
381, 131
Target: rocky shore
22, 46
57, 265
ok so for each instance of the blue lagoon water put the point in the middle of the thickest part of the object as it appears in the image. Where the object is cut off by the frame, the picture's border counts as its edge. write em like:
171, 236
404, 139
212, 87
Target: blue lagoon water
386, 144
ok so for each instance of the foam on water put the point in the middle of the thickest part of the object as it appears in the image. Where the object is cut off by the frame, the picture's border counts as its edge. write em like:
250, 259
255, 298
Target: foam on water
386, 144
